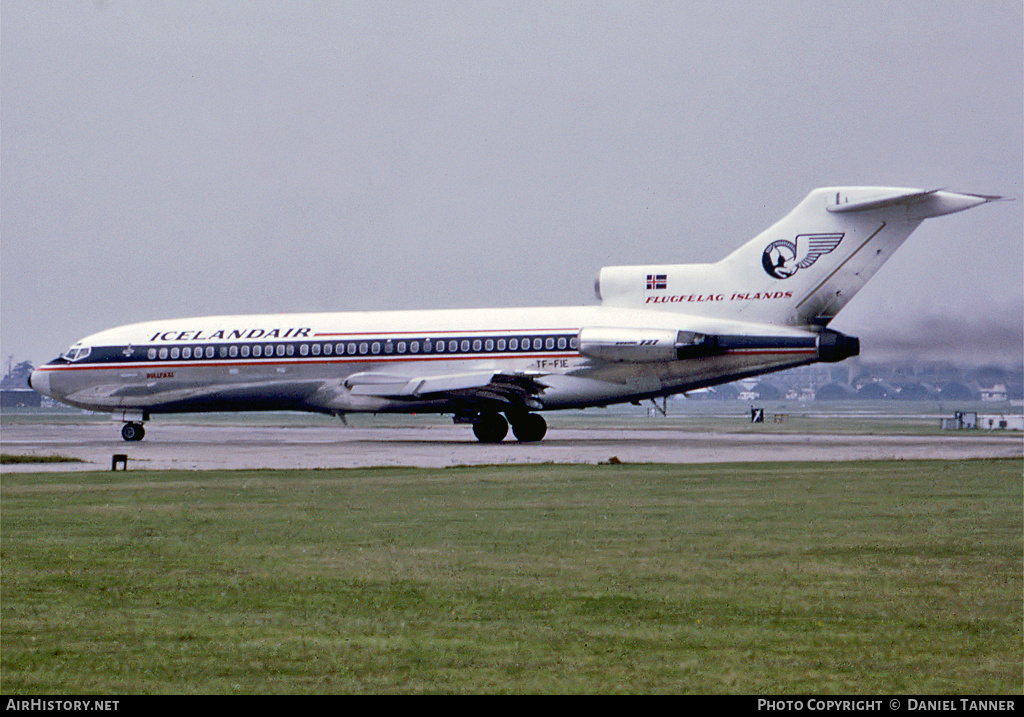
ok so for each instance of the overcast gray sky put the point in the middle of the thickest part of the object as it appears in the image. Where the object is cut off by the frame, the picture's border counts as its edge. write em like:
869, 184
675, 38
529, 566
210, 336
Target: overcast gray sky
165, 159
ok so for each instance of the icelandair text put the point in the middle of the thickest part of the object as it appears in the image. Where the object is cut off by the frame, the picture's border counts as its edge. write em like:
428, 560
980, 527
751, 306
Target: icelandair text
230, 334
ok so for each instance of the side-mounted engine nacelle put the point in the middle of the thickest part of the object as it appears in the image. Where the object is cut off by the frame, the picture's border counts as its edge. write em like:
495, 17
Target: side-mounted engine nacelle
834, 346
644, 345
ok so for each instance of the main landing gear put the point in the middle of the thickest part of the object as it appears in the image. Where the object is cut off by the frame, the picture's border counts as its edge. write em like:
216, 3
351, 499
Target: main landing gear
492, 427
133, 432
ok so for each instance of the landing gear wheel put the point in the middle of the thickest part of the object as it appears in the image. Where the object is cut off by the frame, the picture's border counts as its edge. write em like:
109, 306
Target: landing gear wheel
490, 428
529, 428
133, 432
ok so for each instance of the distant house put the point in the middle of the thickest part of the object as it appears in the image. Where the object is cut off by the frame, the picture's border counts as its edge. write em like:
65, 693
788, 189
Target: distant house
1001, 422
803, 394
995, 393
986, 422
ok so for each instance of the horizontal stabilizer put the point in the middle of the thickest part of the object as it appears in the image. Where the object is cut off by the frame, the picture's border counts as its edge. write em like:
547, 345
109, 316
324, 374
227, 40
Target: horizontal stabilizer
920, 204
893, 197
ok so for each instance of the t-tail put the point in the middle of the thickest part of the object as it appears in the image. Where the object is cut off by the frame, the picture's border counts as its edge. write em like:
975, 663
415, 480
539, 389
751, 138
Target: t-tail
799, 272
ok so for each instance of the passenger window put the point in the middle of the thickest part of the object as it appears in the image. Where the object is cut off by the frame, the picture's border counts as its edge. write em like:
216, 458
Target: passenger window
186, 352
415, 347
513, 344
351, 349
561, 342
163, 353
549, 343
304, 350
233, 351
489, 345
175, 352
151, 353
477, 345
389, 347
245, 351
363, 348
375, 347
257, 351
401, 347
328, 350
209, 352
501, 344
223, 351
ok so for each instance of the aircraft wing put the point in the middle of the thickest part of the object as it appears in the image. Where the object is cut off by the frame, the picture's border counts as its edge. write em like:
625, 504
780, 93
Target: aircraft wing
508, 389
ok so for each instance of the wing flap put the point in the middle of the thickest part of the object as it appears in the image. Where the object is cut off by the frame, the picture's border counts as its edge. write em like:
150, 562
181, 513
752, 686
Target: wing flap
486, 386
391, 386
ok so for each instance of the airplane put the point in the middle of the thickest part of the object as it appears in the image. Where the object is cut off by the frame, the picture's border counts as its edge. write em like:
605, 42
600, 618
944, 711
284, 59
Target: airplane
658, 330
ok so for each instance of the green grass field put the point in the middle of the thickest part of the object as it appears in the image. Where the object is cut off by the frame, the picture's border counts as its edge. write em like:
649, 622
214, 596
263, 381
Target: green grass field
861, 577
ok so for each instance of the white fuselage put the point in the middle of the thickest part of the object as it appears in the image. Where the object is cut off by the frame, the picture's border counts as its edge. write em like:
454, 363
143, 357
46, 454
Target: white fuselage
303, 361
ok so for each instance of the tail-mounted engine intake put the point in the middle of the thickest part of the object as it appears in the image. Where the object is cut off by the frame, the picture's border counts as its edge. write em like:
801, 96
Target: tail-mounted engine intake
645, 345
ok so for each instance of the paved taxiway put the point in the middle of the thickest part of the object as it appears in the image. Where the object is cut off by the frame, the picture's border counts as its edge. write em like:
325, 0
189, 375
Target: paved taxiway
206, 447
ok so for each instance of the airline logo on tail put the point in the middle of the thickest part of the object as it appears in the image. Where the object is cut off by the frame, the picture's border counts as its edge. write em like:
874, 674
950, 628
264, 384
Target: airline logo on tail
783, 258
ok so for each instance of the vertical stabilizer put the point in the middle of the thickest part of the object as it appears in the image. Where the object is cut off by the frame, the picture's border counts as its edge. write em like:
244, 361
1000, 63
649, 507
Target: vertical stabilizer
802, 270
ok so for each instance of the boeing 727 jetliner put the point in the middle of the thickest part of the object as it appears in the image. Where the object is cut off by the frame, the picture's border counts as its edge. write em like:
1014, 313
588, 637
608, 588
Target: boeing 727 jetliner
658, 330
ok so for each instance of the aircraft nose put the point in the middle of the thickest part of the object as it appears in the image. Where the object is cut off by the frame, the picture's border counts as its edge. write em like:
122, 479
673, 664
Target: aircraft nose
39, 381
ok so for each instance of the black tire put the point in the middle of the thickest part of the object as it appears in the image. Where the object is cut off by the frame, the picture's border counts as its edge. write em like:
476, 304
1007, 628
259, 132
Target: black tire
530, 428
133, 432
490, 428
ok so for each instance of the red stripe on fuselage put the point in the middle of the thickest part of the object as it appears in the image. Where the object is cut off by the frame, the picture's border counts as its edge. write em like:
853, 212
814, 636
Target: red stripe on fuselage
156, 363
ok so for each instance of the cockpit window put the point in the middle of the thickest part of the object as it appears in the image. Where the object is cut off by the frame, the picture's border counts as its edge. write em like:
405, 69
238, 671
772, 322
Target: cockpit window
76, 353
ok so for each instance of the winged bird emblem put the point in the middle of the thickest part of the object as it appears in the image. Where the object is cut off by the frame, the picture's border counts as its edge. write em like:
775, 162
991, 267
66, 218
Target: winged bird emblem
783, 258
